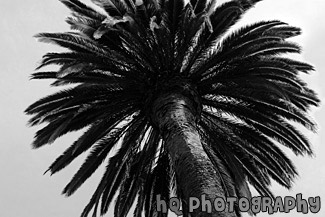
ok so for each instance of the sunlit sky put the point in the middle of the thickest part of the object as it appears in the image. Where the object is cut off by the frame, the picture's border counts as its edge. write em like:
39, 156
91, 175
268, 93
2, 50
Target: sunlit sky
25, 191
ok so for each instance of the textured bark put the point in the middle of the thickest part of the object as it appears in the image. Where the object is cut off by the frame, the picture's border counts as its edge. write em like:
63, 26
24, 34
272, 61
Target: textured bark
175, 115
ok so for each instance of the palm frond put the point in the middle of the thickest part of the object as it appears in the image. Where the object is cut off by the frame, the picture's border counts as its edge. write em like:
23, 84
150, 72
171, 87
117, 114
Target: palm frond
161, 183
217, 23
82, 9
96, 132
114, 8
93, 161
128, 148
73, 42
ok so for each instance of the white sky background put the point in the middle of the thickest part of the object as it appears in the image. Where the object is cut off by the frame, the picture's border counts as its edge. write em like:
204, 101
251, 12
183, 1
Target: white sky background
24, 191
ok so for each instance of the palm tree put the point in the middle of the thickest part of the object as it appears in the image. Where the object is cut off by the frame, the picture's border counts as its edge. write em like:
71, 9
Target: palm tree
192, 108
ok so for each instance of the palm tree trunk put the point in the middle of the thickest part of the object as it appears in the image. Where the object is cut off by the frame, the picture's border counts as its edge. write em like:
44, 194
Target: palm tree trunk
175, 115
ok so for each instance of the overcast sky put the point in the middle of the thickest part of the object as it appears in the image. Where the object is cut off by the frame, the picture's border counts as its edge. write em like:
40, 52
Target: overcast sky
24, 191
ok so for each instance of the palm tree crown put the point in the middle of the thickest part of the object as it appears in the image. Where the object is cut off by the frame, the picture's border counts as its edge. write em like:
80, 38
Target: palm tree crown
132, 60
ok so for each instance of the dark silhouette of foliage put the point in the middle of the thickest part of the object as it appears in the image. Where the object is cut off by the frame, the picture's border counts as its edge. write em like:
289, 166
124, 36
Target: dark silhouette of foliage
148, 75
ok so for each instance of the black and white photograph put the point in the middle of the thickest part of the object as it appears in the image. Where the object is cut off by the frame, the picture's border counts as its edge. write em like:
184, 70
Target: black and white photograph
162, 108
